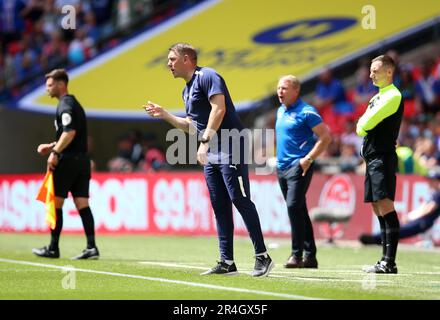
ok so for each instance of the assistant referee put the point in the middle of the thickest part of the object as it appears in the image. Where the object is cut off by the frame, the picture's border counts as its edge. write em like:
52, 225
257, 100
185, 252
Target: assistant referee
379, 126
70, 163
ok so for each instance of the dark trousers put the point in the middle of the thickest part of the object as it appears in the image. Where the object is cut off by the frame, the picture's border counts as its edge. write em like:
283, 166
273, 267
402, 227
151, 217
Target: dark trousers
227, 185
294, 188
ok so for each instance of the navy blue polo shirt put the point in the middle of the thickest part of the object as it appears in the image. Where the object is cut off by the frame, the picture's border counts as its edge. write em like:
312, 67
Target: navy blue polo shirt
294, 134
204, 84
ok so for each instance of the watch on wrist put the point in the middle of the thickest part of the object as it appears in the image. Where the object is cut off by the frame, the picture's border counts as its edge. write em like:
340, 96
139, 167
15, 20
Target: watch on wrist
56, 153
205, 140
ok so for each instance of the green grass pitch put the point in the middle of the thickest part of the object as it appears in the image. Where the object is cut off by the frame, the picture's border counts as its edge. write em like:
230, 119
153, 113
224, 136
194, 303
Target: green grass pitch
168, 267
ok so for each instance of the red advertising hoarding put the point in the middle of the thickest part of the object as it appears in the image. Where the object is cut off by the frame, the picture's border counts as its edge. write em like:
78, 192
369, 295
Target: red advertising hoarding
178, 203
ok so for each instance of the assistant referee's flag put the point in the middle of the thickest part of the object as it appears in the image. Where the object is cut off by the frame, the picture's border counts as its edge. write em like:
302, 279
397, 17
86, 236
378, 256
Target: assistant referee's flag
46, 194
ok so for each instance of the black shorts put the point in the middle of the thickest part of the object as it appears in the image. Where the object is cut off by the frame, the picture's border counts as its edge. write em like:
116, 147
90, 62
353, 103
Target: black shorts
72, 174
380, 177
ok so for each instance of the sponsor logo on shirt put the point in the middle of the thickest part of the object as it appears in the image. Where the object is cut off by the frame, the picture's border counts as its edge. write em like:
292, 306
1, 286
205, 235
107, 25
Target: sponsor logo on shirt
66, 119
373, 102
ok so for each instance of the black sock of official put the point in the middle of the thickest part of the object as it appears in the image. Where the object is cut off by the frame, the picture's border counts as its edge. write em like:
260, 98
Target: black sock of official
89, 226
383, 236
392, 235
55, 233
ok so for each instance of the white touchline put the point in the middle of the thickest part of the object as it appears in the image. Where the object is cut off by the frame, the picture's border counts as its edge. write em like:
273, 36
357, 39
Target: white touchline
296, 278
274, 274
186, 283
172, 265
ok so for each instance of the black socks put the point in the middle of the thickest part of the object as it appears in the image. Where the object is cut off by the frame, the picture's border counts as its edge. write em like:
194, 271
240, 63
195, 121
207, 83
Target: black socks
392, 229
88, 223
55, 233
89, 226
383, 237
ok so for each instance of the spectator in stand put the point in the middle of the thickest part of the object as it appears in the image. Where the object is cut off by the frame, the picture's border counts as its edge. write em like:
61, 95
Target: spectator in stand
137, 154
405, 160
122, 161
349, 159
153, 156
350, 137
11, 20
50, 17
407, 88
426, 155
407, 134
54, 51
33, 11
397, 80
90, 27
408, 84
39, 37
59, 4
364, 90
26, 60
40, 20
436, 131
102, 11
131, 11
425, 91
82, 48
331, 101
436, 73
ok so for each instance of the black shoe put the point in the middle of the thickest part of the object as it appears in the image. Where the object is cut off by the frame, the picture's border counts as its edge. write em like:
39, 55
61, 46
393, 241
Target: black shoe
263, 265
90, 254
310, 262
45, 252
294, 262
221, 268
381, 267
367, 239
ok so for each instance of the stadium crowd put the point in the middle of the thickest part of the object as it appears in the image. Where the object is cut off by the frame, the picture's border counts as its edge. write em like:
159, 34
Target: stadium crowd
341, 103
419, 139
32, 43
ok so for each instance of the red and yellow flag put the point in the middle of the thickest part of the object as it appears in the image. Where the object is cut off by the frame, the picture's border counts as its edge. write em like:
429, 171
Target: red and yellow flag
46, 194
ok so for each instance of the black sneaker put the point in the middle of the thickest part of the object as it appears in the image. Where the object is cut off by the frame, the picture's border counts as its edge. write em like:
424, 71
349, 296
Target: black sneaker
221, 268
263, 265
91, 254
45, 252
381, 267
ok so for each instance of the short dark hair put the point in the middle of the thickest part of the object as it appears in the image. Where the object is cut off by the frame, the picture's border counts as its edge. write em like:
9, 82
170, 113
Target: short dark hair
183, 48
58, 75
386, 60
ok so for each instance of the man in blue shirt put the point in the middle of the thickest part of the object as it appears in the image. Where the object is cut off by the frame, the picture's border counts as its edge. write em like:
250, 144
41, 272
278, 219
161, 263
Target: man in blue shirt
210, 109
301, 137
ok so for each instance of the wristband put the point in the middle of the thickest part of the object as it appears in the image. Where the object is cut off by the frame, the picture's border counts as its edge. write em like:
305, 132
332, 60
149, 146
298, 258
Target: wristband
56, 153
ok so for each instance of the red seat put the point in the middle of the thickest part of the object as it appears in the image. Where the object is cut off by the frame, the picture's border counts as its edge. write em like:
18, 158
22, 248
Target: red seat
409, 108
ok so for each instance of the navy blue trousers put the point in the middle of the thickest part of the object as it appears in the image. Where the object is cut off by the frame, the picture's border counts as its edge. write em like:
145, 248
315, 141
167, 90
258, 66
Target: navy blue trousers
229, 184
294, 188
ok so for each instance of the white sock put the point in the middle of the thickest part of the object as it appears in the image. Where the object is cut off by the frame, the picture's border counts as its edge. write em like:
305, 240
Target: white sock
229, 262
